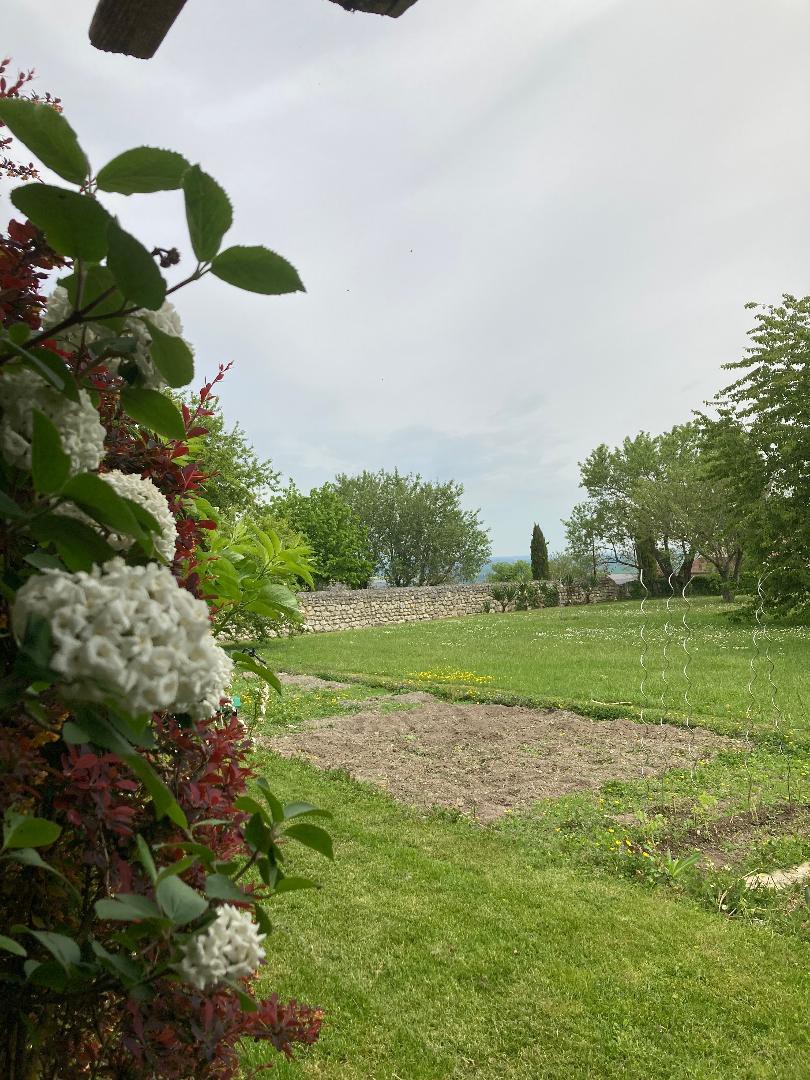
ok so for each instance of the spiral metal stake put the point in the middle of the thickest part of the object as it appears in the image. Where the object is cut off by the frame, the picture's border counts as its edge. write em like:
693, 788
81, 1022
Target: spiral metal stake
753, 664
777, 716
645, 671
687, 684
669, 637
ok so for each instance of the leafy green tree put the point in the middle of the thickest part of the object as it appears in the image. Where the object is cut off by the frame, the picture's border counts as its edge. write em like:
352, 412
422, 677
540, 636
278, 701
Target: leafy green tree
240, 482
339, 539
655, 502
569, 566
539, 554
418, 530
761, 447
519, 570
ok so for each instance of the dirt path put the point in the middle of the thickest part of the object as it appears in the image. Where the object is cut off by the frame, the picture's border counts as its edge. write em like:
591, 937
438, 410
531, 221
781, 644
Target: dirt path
486, 759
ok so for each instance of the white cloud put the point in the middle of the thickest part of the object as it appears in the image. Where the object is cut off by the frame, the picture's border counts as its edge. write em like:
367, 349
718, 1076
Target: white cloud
524, 228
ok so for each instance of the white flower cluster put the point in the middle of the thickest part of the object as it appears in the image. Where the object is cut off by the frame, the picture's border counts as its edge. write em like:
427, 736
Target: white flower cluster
165, 319
80, 429
142, 491
129, 631
229, 948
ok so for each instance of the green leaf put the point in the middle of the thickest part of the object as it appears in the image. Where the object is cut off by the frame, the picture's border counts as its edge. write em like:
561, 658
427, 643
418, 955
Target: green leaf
172, 357
21, 831
154, 411
179, 902
220, 887
175, 868
294, 884
246, 663
263, 920
49, 367
312, 836
246, 1002
257, 269
47, 134
145, 856
12, 946
98, 289
276, 809
258, 835
135, 271
79, 545
19, 333
30, 857
102, 502
75, 225
298, 809
50, 465
248, 805
208, 212
10, 509
128, 969
126, 907
143, 169
73, 734
50, 974
165, 803
63, 948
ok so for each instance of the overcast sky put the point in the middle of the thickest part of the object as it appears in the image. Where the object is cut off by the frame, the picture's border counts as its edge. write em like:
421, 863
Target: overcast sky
525, 227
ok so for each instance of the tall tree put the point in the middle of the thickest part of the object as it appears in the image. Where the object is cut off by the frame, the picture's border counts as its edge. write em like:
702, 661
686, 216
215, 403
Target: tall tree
419, 532
239, 481
761, 447
539, 554
339, 540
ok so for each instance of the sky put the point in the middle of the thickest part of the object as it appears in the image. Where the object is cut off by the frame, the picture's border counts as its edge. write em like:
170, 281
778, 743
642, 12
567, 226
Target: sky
524, 228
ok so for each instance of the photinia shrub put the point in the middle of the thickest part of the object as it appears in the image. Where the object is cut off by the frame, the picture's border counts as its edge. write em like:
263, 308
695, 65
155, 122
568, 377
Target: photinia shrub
135, 864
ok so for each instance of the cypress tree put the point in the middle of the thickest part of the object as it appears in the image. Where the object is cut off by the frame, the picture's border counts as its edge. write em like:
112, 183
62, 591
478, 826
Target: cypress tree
539, 554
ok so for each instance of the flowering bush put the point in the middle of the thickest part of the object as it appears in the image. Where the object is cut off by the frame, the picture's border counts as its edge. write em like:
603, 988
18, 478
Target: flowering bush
134, 866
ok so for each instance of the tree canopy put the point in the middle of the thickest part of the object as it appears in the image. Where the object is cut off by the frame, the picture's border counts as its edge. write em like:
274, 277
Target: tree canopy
539, 554
418, 530
339, 540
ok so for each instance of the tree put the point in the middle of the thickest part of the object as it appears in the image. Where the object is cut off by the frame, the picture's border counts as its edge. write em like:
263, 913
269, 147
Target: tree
339, 540
568, 566
519, 570
539, 554
761, 447
238, 482
656, 502
418, 530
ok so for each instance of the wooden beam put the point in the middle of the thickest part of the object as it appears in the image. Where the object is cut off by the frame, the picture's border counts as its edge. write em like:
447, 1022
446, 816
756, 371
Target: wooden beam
137, 27
394, 8
133, 27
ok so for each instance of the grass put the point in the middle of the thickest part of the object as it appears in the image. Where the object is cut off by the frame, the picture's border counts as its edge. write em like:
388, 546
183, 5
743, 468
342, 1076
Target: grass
574, 940
586, 658
441, 950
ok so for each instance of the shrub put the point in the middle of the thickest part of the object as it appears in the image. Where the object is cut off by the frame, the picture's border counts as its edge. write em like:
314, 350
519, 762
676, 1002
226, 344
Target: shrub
128, 833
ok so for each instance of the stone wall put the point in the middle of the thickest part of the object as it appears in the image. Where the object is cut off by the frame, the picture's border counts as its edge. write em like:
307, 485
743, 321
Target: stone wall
351, 609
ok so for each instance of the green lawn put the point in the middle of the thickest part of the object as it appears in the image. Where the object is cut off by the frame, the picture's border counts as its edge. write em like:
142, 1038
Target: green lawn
585, 657
442, 950
551, 944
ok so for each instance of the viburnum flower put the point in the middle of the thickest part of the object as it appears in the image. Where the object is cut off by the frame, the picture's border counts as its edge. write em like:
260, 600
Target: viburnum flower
165, 319
80, 429
229, 948
142, 491
131, 632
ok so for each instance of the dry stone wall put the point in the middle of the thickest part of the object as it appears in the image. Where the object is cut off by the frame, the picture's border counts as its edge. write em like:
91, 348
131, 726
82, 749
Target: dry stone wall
351, 609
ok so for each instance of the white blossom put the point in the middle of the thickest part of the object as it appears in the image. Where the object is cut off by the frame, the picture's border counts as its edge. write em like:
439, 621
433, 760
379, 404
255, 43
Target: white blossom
80, 429
130, 632
229, 948
165, 319
142, 491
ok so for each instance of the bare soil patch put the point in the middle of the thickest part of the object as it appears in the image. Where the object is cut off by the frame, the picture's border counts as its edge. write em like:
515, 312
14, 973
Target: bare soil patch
485, 759
730, 840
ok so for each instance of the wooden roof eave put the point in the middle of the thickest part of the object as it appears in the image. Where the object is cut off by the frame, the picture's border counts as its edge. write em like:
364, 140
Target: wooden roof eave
138, 27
